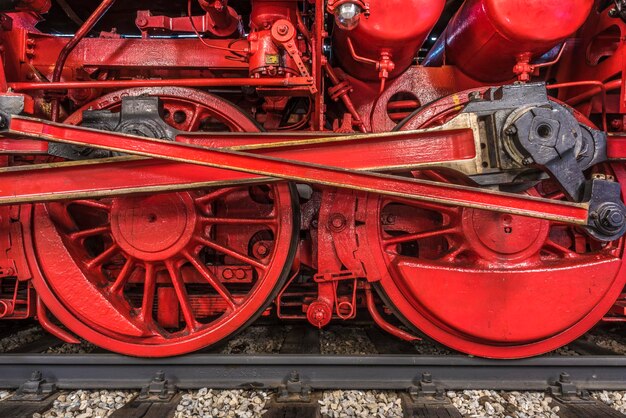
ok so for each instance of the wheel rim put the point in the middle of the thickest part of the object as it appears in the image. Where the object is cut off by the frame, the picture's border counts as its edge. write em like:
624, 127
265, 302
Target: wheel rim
488, 284
185, 109
164, 274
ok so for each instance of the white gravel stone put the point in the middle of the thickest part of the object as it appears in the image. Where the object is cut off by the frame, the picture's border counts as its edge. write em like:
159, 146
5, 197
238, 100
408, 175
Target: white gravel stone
489, 403
346, 341
616, 400
20, 338
356, 403
208, 403
83, 404
4, 394
257, 340
83, 348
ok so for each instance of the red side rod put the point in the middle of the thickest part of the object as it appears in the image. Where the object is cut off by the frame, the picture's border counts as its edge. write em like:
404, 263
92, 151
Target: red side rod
421, 190
83, 179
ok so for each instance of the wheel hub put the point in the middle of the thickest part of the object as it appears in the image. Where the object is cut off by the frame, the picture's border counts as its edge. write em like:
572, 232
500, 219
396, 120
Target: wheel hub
152, 228
500, 236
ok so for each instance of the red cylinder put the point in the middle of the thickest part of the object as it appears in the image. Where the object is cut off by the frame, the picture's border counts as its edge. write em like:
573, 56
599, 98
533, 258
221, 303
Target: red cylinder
396, 27
485, 37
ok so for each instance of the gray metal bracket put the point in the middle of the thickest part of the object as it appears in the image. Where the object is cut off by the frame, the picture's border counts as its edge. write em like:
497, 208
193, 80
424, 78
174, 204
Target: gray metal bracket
35, 389
566, 392
427, 392
158, 390
294, 390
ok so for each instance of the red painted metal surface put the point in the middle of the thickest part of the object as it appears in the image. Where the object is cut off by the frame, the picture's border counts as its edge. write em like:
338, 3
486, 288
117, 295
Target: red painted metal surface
298, 171
183, 82
115, 177
158, 245
485, 283
107, 303
266, 201
39, 6
487, 37
80, 34
397, 28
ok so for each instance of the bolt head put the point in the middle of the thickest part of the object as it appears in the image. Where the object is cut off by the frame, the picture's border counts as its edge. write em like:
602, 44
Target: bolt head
616, 218
612, 218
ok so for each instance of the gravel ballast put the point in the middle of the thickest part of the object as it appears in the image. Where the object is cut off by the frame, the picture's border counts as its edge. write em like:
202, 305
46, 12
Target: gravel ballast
20, 338
345, 341
607, 341
616, 400
83, 348
356, 403
84, 404
489, 403
426, 347
256, 340
207, 403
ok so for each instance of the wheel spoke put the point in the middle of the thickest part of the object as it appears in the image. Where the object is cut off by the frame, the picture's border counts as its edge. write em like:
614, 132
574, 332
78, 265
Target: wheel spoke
89, 232
183, 296
435, 176
210, 277
123, 276
231, 253
149, 289
197, 110
216, 194
105, 256
454, 253
92, 204
559, 249
421, 235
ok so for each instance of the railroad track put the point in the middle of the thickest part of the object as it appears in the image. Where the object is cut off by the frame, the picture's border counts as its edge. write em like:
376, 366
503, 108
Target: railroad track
297, 380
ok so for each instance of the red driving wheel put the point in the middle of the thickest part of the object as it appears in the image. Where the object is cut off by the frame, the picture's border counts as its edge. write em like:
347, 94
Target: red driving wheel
166, 274
490, 284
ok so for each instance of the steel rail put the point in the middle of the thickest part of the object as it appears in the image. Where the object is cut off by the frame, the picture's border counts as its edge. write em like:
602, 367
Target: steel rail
384, 372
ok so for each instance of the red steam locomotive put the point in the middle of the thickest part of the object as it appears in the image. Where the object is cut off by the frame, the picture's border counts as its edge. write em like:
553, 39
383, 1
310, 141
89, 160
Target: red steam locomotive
173, 170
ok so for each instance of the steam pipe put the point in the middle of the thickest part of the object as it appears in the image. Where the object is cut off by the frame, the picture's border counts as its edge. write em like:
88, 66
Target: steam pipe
380, 321
83, 31
183, 82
